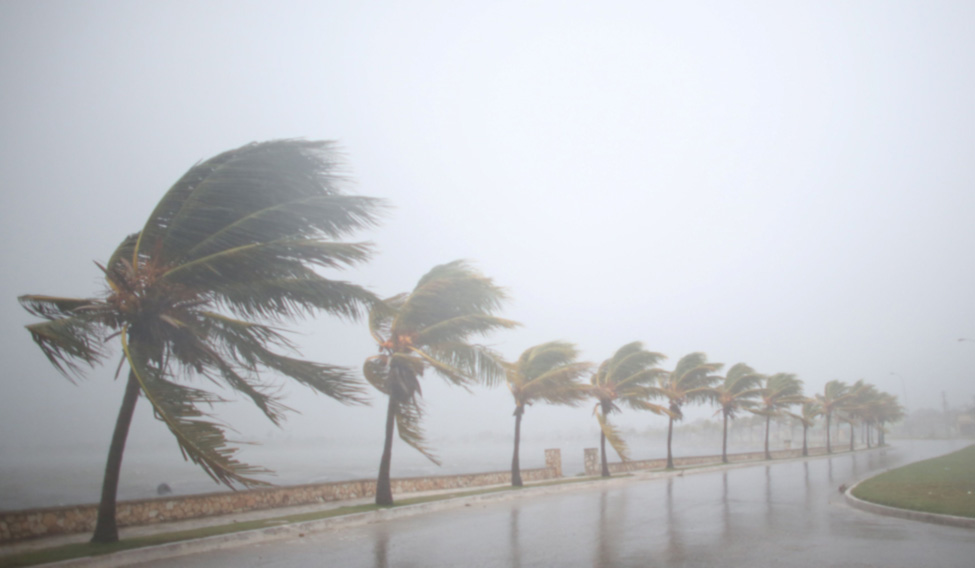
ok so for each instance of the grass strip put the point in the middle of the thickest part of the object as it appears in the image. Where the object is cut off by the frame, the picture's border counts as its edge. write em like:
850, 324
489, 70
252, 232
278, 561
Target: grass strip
943, 485
84, 549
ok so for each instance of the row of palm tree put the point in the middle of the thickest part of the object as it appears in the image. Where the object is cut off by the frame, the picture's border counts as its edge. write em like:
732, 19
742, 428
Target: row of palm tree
230, 254
630, 378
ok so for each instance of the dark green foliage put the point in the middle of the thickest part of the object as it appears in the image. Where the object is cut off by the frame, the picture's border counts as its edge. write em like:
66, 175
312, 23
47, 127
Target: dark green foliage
230, 251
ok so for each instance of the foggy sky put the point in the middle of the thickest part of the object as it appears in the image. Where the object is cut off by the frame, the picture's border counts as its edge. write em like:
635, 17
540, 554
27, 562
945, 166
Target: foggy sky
789, 186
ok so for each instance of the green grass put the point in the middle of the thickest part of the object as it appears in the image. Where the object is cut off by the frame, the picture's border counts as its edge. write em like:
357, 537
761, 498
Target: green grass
83, 549
944, 485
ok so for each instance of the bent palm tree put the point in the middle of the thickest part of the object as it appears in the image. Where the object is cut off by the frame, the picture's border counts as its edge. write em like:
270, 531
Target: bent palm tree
835, 395
550, 373
858, 407
229, 250
781, 391
690, 381
887, 410
807, 417
429, 328
625, 378
737, 392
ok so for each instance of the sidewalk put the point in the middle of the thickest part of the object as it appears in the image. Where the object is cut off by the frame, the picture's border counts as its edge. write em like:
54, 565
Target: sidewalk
282, 529
285, 530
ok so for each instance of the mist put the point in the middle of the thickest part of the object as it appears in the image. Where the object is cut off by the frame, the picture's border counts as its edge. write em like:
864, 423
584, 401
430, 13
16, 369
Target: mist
789, 186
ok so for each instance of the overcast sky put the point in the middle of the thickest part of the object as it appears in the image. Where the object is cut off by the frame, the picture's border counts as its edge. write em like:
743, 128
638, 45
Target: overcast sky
786, 184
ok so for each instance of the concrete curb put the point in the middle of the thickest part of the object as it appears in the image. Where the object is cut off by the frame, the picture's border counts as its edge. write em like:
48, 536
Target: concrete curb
948, 520
299, 530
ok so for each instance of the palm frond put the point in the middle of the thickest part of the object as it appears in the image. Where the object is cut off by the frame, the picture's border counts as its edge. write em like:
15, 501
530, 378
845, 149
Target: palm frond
54, 307
541, 358
742, 378
278, 299
67, 341
643, 404
644, 378
200, 437
376, 371
460, 328
310, 217
614, 438
475, 363
381, 316
218, 193
559, 385
448, 291
409, 415
263, 261
630, 359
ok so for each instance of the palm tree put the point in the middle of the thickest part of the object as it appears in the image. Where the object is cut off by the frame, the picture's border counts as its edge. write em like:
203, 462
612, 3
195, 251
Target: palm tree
430, 328
549, 373
807, 417
690, 381
835, 395
737, 392
624, 378
887, 410
227, 253
781, 391
862, 406
851, 408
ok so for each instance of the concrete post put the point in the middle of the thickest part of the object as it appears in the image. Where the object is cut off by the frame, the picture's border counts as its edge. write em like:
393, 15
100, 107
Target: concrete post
553, 460
591, 459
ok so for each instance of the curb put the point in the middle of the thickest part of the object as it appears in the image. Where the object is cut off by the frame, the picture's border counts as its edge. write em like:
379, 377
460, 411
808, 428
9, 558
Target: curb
933, 518
299, 530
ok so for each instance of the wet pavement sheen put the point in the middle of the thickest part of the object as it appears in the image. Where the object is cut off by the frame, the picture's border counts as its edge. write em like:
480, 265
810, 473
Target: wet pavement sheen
777, 514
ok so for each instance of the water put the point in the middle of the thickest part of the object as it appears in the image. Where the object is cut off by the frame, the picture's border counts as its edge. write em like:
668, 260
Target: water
70, 475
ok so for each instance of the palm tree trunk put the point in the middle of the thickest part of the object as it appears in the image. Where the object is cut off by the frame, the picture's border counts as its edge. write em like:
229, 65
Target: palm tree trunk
829, 450
768, 426
106, 528
724, 440
805, 448
515, 465
384, 489
602, 446
670, 438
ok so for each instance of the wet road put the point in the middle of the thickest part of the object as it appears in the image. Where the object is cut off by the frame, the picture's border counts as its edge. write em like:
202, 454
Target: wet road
781, 515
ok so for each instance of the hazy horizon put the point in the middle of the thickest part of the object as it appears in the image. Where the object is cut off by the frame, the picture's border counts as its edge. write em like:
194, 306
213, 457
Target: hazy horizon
785, 185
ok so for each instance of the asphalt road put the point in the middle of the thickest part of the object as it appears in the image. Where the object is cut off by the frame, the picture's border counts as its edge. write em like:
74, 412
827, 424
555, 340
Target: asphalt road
782, 514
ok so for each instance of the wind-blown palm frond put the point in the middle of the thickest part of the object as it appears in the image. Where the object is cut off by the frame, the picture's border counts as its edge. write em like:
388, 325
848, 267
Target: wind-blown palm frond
430, 328
231, 248
835, 395
781, 391
625, 378
690, 381
200, 438
612, 435
452, 357
739, 391
547, 372
259, 193
409, 415
67, 340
